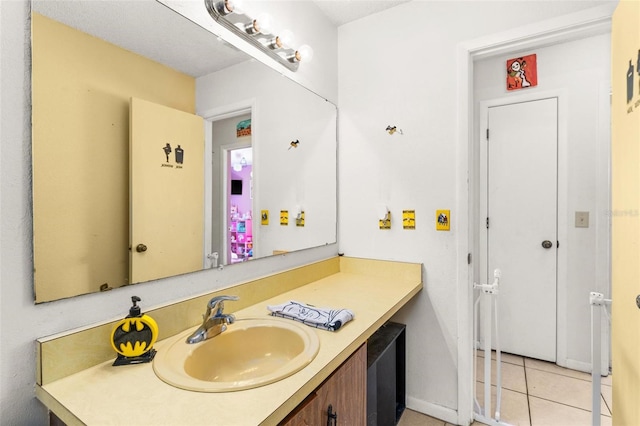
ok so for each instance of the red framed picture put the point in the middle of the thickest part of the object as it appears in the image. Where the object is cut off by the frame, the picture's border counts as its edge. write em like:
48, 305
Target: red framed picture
522, 72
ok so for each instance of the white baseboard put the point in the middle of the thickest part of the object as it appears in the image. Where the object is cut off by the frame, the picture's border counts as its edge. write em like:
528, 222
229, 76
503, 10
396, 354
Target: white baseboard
449, 415
584, 366
578, 365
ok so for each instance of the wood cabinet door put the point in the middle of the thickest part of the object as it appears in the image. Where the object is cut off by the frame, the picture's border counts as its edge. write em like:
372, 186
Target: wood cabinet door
345, 391
308, 413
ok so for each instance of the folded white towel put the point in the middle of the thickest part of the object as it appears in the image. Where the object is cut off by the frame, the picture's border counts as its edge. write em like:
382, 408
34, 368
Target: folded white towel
325, 318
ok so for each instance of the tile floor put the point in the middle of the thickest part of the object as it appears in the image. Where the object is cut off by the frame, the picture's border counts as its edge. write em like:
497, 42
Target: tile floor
535, 393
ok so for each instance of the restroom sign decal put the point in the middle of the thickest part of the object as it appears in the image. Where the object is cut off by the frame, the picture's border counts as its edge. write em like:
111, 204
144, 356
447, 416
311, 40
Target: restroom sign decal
174, 156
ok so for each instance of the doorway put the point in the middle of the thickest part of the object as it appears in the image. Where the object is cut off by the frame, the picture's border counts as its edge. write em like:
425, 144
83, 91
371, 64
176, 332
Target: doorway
227, 129
239, 203
569, 27
519, 189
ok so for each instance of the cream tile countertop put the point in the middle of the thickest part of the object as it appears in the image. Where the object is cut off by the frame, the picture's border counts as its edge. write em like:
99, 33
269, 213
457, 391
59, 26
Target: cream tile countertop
133, 395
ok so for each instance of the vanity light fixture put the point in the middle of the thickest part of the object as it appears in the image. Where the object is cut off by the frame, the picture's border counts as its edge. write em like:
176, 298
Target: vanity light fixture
259, 32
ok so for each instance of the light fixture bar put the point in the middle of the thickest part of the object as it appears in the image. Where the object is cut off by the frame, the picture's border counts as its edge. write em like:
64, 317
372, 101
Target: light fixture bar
280, 54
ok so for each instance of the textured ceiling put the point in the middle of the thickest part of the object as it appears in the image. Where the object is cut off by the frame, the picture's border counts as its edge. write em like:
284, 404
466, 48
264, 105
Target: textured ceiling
344, 11
148, 28
152, 30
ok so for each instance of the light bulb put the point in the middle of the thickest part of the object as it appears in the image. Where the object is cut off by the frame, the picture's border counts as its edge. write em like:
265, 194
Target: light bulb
304, 53
282, 40
233, 6
261, 25
264, 23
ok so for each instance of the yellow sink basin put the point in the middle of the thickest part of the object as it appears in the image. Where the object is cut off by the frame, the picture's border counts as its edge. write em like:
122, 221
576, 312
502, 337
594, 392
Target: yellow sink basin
250, 353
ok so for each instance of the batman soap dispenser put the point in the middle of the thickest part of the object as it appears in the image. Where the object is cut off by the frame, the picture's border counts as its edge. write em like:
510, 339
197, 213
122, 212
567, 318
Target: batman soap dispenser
133, 337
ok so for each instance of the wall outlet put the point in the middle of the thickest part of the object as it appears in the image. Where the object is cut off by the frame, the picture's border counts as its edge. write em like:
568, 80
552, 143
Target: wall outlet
582, 219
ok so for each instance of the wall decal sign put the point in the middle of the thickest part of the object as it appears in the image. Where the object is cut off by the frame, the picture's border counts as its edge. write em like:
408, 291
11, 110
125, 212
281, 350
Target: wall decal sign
409, 219
386, 222
522, 72
631, 93
243, 128
284, 217
300, 220
443, 220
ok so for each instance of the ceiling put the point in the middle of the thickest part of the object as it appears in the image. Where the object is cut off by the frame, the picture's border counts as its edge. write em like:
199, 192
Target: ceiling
149, 28
341, 12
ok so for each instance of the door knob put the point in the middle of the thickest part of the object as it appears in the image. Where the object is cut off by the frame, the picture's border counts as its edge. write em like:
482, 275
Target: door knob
141, 248
547, 244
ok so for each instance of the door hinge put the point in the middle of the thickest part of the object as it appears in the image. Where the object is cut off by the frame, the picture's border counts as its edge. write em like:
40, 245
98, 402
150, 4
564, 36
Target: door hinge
468, 258
487, 223
557, 244
487, 134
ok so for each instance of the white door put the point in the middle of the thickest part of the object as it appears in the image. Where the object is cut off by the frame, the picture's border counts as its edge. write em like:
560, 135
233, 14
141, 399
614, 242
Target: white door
166, 190
522, 154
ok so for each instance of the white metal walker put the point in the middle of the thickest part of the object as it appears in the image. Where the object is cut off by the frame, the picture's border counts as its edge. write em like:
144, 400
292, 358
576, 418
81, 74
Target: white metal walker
489, 295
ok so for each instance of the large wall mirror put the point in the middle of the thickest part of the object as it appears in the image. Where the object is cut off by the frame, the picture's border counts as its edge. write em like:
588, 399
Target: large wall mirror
123, 193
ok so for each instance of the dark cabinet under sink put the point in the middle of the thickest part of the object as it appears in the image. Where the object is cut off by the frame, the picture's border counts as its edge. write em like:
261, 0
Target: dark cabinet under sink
386, 367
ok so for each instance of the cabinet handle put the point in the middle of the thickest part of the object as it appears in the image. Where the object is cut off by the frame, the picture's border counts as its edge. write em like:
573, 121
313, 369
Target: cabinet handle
332, 418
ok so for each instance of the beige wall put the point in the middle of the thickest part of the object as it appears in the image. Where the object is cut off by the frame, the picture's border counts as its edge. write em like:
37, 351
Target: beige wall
81, 88
625, 43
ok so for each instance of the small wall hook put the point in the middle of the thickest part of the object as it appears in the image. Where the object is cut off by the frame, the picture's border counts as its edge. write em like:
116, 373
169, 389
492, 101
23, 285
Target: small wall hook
393, 129
294, 144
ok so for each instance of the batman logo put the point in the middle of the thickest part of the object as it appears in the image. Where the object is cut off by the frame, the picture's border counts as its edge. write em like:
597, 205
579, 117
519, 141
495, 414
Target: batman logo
132, 337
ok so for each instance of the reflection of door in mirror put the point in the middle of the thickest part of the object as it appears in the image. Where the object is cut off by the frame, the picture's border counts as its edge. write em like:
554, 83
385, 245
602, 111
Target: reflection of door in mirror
167, 189
232, 225
239, 203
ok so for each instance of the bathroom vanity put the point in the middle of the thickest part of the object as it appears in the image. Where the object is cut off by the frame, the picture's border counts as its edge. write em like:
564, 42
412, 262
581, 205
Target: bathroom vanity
77, 382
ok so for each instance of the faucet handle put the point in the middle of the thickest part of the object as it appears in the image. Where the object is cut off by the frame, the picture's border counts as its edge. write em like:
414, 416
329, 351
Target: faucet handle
217, 304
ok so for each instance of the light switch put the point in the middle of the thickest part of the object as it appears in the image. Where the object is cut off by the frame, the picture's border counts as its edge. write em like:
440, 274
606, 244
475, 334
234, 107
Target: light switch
582, 219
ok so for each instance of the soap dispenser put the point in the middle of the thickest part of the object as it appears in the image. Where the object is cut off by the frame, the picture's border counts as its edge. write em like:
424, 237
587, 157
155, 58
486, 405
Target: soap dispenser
133, 337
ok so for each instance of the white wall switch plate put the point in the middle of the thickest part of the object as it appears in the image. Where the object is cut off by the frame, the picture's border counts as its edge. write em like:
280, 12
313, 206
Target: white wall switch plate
582, 219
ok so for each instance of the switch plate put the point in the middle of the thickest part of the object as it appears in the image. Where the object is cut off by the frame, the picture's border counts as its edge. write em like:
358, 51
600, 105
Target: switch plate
582, 219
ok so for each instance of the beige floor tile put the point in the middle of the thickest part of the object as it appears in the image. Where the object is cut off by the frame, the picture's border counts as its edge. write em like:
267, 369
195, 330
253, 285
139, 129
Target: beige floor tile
562, 389
553, 368
510, 358
607, 395
514, 408
547, 413
414, 418
512, 375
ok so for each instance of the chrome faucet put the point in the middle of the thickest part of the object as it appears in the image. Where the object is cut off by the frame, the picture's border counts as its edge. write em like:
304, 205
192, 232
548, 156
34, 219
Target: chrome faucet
214, 320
